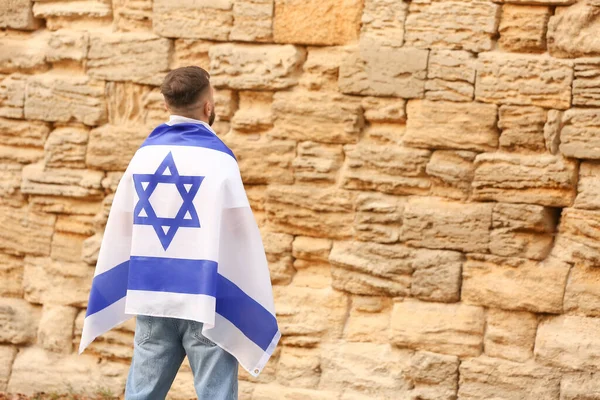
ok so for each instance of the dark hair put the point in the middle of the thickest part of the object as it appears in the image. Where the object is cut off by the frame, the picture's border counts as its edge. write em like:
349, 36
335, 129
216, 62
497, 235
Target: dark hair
182, 87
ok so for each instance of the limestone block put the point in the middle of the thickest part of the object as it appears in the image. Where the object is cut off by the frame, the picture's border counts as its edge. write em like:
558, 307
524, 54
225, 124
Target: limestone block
191, 52
387, 169
255, 156
59, 14
368, 320
67, 44
317, 314
317, 117
384, 110
439, 89
251, 113
583, 291
11, 276
14, 155
312, 274
252, 21
438, 224
435, 376
585, 83
436, 276
451, 76
317, 163
542, 81
58, 97
457, 24
311, 249
320, 71
523, 28
23, 53
580, 134
255, 67
55, 332
552, 130
23, 133
79, 224
63, 205
365, 367
305, 210
114, 344
67, 246
452, 173
371, 269
17, 15
514, 178
569, 342
278, 248
19, 321
580, 386
90, 249
7, 355
25, 232
66, 147
102, 152
378, 217
10, 184
454, 329
383, 20
507, 380
538, 2
154, 109
131, 104
514, 284
462, 126
12, 96
202, 19
572, 31
61, 182
299, 367
132, 15
57, 282
588, 188
277, 392
522, 128
510, 335
374, 69
521, 230
138, 57
580, 229
36, 370
328, 22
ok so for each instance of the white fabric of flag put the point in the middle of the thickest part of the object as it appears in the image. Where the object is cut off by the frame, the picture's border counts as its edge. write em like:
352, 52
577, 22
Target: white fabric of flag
181, 241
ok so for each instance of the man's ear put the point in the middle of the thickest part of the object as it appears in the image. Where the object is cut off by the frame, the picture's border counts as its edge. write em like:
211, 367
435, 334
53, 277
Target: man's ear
207, 108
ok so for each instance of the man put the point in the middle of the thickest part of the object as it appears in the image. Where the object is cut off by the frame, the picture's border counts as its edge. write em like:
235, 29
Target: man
182, 251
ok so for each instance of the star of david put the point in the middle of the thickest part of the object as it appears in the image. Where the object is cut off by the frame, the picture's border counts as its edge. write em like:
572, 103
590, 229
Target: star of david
187, 186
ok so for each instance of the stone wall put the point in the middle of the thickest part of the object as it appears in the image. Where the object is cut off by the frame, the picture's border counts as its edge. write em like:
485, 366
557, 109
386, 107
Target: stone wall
425, 175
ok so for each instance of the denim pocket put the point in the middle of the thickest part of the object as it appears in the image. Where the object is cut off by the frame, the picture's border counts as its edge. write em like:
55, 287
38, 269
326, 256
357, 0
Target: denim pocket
143, 328
197, 331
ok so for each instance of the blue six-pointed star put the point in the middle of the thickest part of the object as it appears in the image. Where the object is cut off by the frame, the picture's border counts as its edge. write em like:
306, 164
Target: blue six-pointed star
187, 186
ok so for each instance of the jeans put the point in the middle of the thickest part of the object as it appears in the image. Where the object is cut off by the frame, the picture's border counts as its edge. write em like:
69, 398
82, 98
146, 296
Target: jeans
160, 345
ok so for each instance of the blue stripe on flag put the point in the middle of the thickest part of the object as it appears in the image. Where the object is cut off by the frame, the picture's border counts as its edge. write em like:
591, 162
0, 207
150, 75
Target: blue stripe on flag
185, 276
173, 275
186, 134
258, 324
108, 288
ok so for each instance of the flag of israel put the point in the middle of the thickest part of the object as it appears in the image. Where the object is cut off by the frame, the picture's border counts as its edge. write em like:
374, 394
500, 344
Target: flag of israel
181, 241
